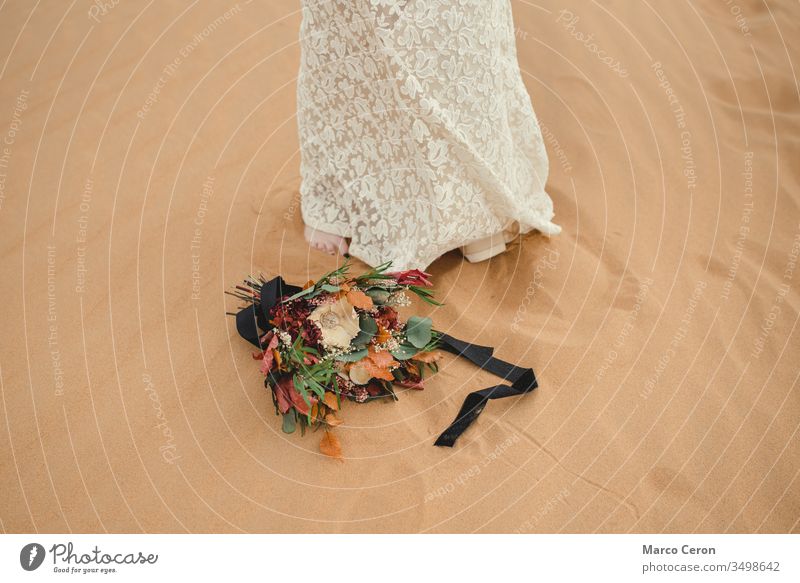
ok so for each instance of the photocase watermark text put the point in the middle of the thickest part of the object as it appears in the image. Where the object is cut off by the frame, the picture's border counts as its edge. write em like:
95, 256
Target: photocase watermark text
549, 261
569, 21
168, 449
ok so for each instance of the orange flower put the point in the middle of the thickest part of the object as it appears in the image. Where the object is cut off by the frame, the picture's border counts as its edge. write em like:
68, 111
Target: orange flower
383, 335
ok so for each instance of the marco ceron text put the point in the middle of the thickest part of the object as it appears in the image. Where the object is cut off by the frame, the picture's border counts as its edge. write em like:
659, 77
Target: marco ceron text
684, 550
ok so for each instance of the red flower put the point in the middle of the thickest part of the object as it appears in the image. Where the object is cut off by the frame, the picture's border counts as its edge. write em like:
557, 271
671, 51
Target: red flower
311, 334
387, 318
412, 277
289, 316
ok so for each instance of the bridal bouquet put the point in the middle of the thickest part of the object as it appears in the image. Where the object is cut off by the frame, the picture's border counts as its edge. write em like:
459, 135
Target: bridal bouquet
340, 337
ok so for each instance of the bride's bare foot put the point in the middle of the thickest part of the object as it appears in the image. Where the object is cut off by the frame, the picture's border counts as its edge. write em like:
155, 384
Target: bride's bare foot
326, 242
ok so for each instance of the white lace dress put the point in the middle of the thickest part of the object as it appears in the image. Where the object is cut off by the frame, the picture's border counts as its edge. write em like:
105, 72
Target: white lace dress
417, 134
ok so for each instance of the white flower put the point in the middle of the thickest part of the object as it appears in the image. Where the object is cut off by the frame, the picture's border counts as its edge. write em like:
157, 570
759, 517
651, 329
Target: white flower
338, 322
283, 336
399, 299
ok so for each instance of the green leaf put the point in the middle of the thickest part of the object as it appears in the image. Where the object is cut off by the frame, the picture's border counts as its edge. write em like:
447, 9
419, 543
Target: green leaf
378, 295
300, 386
404, 351
329, 288
289, 422
418, 331
336, 272
425, 294
368, 330
300, 294
353, 356
318, 389
367, 324
375, 273
434, 342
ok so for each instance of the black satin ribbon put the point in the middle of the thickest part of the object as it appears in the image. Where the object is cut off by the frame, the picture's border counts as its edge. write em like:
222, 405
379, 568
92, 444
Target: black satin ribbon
523, 380
254, 318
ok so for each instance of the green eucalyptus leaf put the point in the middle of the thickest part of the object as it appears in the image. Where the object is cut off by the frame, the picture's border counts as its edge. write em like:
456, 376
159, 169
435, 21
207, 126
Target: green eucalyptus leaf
404, 351
379, 296
289, 422
368, 330
329, 288
418, 331
367, 324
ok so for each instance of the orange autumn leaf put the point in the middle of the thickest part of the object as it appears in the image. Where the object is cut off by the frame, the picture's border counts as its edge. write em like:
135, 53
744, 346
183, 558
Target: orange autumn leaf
332, 420
309, 283
314, 411
428, 357
382, 373
381, 358
330, 400
277, 358
330, 446
377, 364
344, 289
359, 299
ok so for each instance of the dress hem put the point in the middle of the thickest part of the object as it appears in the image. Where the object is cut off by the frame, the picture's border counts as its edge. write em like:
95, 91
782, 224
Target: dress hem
544, 226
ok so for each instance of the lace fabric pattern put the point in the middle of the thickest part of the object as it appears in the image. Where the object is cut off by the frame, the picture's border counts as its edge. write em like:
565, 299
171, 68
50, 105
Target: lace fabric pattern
417, 134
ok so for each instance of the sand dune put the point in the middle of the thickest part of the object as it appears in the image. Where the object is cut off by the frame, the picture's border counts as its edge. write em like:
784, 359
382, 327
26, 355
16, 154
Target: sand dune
149, 161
